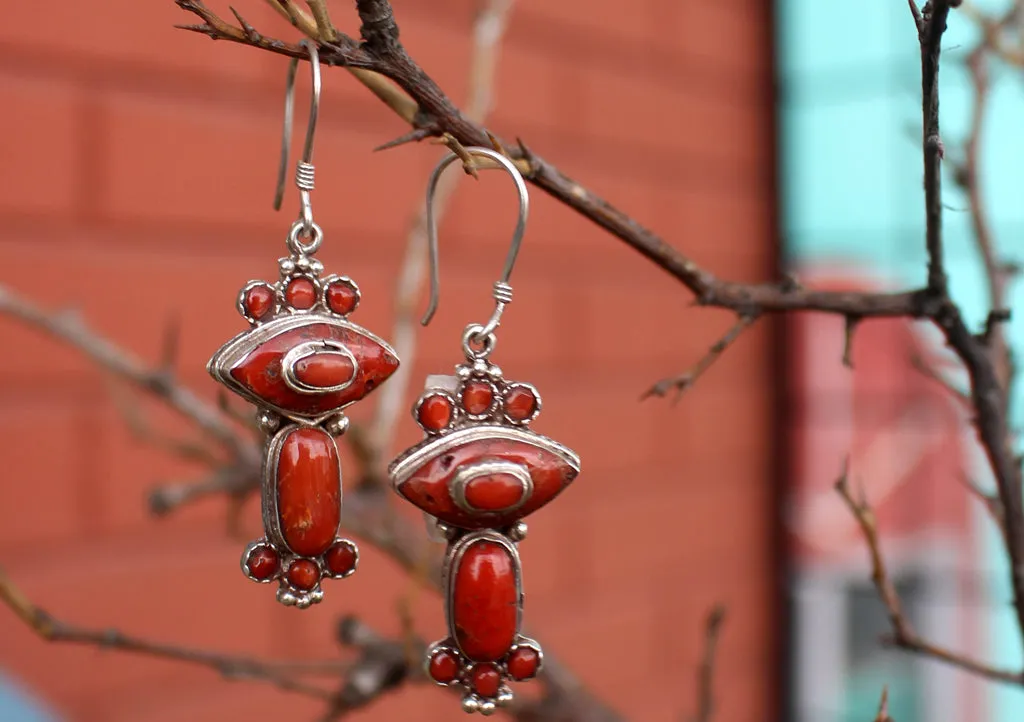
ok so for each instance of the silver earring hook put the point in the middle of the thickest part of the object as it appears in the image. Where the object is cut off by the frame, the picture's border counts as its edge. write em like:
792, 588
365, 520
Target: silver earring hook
304, 171
502, 289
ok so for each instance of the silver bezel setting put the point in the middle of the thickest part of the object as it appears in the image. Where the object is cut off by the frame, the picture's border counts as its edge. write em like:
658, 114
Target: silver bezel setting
467, 473
318, 291
240, 302
496, 398
471, 701
522, 641
248, 551
405, 465
271, 457
316, 348
452, 559
511, 386
325, 570
238, 348
452, 420
327, 282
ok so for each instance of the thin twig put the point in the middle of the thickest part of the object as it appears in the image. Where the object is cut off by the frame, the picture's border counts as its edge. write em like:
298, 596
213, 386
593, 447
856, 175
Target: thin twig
931, 27
850, 324
280, 674
929, 371
883, 707
328, 33
69, 328
681, 383
706, 674
991, 503
903, 634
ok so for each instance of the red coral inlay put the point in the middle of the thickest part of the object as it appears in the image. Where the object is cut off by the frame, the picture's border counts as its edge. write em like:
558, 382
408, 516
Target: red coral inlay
485, 601
428, 486
308, 491
260, 370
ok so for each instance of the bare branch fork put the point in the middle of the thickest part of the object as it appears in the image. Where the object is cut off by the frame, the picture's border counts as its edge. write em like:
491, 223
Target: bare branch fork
985, 356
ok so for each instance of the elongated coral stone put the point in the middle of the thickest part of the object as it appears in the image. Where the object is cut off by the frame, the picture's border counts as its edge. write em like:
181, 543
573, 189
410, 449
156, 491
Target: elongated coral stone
485, 605
325, 370
494, 492
308, 490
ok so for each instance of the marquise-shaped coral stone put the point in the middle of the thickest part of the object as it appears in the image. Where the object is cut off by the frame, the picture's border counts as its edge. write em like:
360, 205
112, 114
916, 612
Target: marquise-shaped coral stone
494, 492
485, 601
324, 370
308, 490
261, 374
428, 486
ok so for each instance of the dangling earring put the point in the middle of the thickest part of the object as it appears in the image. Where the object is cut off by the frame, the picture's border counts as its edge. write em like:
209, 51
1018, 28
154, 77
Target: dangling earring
477, 473
301, 363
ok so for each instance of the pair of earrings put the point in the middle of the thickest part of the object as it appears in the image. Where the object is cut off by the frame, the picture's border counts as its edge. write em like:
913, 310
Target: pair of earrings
478, 471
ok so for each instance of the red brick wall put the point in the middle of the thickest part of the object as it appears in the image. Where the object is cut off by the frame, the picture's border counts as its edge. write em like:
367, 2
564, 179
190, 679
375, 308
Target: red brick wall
138, 165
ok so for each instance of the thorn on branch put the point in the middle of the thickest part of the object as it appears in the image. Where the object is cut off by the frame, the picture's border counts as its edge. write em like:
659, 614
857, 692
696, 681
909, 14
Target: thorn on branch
995, 317
850, 321
496, 143
413, 136
883, 707
202, 29
250, 32
469, 164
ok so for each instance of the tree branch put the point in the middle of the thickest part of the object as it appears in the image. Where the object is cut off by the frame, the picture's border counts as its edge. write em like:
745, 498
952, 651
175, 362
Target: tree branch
883, 707
68, 328
681, 383
931, 24
903, 634
280, 674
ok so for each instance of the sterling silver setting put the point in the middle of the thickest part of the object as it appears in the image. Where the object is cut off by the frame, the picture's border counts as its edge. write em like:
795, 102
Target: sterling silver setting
476, 473
301, 363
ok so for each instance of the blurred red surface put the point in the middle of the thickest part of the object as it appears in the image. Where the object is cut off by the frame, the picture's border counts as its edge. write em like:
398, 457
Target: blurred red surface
138, 165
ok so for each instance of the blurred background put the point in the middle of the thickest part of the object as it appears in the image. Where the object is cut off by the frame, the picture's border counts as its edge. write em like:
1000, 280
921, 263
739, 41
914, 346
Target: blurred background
136, 186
